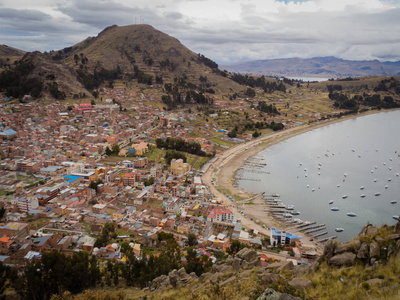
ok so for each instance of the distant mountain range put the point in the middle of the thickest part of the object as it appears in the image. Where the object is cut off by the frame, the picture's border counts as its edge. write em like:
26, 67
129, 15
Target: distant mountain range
322, 67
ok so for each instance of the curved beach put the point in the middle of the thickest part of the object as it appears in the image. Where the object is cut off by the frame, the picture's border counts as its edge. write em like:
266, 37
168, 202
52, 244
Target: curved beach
223, 170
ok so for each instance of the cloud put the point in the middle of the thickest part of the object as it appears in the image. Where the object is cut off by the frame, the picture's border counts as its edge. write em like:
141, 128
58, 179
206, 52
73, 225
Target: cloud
224, 30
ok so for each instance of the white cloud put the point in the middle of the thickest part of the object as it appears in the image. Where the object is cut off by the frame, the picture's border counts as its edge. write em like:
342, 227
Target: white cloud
224, 30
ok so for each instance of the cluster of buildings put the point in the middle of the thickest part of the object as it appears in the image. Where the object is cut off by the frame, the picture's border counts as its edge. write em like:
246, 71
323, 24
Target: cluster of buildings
59, 189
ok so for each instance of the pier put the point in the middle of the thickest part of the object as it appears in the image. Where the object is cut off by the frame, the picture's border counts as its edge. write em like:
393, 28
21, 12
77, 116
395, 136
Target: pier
306, 224
319, 234
328, 238
313, 228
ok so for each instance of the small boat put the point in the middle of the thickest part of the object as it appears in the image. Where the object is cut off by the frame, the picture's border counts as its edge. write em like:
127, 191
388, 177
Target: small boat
351, 214
375, 180
372, 171
313, 190
362, 196
334, 208
390, 168
338, 185
384, 164
344, 196
331, 202
386, 186
308, 185
359, 155
393, 202
390, 179
339, 229
396, 217
377, 194
305, 169
345, 174
397, 174
376, 167
390, 159
361, 188
295, 212
352, 150
290, 207
287, 216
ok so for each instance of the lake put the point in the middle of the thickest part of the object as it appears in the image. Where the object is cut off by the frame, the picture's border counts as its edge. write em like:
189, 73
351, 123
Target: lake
325, 164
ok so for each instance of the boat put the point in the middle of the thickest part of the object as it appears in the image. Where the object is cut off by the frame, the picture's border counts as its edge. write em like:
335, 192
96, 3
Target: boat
287, 216
339, 229
362, 196
386, 186
313, 189
397, 174
295, 212
375, 180
361, 188
338, 185
334, 208
290, 207
396, 217
393, 202
390, 179
331, 202
344, 196
345, 174
351, 214
377, 194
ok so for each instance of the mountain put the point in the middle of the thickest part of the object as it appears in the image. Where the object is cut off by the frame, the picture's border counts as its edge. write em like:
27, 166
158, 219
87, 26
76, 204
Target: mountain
323, 67
152, 51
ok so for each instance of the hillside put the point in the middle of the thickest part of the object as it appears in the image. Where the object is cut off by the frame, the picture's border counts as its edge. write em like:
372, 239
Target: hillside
152, 51
8, 55
323, 67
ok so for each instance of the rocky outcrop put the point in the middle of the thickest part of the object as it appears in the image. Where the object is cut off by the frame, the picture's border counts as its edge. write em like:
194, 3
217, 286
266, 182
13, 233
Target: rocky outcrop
368, 230
345, 259
300, 284
175, 278
270, 294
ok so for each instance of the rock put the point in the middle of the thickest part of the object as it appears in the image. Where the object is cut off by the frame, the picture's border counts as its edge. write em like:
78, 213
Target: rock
226, 269
255, 262
270, 278
275, 265
314, 266
345, 247
372, 282
173, 278
363, 252
398, 246
394, 236
228, 281
215, 278
329, 250
368, 230
286, 266
244, 264
247, 254
344, 259
270, 294
299, 271
300, 284
236, 264
390, 250
245, 272
205, 276
379, 240
374, 250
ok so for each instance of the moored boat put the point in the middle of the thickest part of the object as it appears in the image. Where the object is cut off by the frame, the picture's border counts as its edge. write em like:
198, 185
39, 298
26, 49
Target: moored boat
331, 202
393, 202
334, 208
351, 214
362, 187
295, 212
396, 217
362, 196
344, 196
377, 194
339, 229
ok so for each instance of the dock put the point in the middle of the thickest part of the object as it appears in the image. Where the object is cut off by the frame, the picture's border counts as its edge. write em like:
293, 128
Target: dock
320, 234
305, 225
328, 238
313, 228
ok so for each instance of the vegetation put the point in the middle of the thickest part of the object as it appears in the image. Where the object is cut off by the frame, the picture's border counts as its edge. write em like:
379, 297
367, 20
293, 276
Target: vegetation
180, 145
259, 82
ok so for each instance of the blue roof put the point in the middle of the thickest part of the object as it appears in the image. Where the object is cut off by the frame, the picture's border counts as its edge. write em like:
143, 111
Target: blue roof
71, 178
8, 132
291, 236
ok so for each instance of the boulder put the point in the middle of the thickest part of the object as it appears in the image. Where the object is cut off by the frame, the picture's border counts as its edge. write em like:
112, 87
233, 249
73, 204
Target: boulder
270, 278
300, 270
173, 278
215, 278
372, 282
395, 236
368, 230
374, 250
288, 265
344, 259
244, 264
270, 294
329, 250
205, 276
345, 247
255, 262
225, 269
247, 254
363, 252
236, 264
300, 284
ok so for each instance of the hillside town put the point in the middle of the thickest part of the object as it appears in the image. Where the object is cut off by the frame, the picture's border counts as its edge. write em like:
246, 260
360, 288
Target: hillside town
62, 182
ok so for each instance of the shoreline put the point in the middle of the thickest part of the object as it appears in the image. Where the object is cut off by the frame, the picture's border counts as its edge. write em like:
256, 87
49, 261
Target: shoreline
223, 171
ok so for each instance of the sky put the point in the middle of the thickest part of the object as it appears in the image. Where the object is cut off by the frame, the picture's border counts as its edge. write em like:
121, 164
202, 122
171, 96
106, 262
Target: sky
226, 31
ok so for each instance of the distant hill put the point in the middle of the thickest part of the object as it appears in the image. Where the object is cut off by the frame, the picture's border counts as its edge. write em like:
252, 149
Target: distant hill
323, 67
8, 55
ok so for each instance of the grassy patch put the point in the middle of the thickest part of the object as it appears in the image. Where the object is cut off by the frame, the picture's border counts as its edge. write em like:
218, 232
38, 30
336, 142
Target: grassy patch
221, 142
36, 224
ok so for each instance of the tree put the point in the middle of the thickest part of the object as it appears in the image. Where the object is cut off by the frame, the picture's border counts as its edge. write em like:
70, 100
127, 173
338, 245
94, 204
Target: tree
108, 151
192, 240
2, 212
115, 149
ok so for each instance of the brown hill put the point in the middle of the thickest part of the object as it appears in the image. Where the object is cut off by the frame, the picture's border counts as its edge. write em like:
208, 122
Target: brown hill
151, 50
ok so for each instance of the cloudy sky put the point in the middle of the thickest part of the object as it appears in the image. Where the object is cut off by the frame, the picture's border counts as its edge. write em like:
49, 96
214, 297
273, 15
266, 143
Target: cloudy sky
223, 30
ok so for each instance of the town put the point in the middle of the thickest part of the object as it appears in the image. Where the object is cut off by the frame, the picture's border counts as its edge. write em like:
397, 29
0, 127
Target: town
68, 171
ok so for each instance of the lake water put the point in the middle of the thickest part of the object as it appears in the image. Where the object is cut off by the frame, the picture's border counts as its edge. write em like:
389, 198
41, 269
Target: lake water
311, 169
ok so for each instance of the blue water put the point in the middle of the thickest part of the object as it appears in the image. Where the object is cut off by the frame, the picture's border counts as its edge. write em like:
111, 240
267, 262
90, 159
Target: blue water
351, 154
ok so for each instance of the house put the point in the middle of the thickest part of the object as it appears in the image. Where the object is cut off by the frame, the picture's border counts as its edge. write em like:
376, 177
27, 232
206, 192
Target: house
221, 215
282, 237
119, 214
96, 228
5, 244
141, 148
178, 167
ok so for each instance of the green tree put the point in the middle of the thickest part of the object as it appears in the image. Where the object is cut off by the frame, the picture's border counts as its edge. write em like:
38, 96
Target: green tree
108, 151
2, 212
192, 240
115, 149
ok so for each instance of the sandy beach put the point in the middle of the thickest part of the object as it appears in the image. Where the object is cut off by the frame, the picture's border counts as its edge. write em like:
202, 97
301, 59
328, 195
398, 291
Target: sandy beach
222, 172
